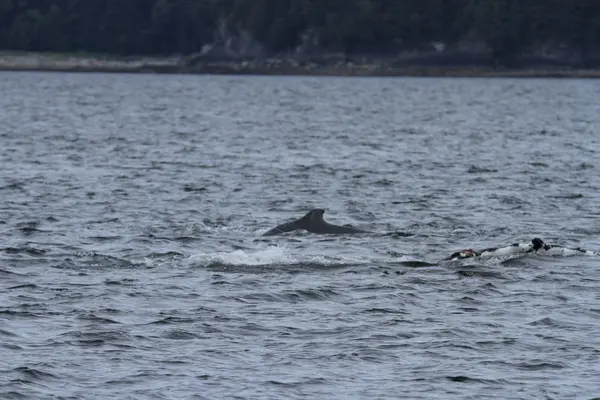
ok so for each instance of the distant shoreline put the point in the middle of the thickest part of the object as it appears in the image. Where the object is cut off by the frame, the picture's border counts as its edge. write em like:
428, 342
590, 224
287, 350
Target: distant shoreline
56, 62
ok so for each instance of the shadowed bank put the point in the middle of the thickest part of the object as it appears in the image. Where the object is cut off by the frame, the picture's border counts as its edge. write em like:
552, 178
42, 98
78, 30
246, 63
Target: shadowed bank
304, 37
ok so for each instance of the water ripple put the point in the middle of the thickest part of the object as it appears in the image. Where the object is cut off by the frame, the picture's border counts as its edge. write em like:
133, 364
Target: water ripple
132, 263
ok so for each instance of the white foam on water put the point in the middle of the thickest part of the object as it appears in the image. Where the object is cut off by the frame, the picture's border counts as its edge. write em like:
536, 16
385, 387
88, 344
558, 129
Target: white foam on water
566, 252
281, 255
267, 256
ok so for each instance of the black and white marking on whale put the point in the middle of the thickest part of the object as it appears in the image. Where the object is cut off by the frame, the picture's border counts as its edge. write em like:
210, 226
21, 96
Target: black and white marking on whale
536, 245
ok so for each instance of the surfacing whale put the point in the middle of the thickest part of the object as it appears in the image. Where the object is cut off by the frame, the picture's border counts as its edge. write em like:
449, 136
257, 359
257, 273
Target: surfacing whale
313, 222
536, 245
513, 249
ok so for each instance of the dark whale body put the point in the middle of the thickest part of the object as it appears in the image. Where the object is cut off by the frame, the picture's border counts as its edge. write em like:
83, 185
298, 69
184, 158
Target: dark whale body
312, 222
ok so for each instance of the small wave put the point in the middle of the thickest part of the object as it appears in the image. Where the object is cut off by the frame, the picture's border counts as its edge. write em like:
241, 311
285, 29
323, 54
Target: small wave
478, 273
4, 332
293, 296
96, 338
399, 234
311, 381
569, 196
171, 320
7, 272
103, 221
383, 310
14, 186
584, 165
96, 260
122, 282
544, 322
95, 318
540, 365
24, 250
168, 254
179, 334
26, 230
33, 373
467, 379
479, 170
24, 286
384, 182
12, 395
413, 263
193, 188
100, 238
18, 314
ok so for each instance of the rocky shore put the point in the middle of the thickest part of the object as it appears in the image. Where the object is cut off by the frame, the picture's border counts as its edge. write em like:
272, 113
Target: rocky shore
11, 61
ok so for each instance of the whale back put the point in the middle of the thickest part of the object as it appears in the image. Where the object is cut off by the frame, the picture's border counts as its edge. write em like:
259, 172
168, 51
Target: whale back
316, 224
305, 223
312, 222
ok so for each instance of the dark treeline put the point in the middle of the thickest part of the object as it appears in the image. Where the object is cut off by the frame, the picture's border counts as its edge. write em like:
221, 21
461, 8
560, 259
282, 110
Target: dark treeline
162, 27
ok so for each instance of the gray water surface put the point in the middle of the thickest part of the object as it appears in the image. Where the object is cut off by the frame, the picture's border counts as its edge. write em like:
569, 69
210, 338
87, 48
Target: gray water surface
132, 264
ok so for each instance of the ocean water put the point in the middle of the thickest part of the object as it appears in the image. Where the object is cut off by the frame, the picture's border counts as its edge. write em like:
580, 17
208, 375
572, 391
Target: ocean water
132, 264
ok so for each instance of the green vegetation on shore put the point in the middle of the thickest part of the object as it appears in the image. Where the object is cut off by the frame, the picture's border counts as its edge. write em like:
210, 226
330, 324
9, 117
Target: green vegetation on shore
266, 28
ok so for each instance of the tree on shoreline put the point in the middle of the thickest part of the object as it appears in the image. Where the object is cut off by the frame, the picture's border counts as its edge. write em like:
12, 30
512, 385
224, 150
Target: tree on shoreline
164, 27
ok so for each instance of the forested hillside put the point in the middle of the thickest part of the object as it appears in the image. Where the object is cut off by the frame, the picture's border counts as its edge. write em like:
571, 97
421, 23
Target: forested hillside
163, 27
